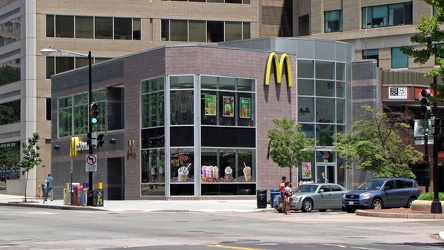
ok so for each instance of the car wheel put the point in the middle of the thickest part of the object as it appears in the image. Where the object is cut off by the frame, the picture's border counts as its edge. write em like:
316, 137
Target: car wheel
350, 210
322, 210
279, 210
307, 205
377, 204
409, 203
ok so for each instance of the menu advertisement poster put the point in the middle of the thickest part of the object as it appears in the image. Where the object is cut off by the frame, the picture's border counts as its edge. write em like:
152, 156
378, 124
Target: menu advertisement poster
244, 111
228, 106
306, 170
210, 104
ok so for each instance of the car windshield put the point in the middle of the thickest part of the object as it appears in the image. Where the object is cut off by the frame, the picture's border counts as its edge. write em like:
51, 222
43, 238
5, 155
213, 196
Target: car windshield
371, 185
306, 189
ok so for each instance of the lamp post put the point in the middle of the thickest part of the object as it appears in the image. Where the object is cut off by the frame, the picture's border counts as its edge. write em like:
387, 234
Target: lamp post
436, 204
49, 51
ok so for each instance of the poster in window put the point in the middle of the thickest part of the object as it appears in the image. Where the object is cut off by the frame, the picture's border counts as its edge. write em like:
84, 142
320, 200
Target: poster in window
210, 104
244, 107
228, 106
306, 170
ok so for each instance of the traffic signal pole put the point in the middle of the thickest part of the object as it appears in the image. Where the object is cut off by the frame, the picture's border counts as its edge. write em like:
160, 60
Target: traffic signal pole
90, 196
436, 204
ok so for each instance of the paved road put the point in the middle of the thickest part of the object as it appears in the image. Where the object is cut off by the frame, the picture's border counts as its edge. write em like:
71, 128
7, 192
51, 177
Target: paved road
38, 228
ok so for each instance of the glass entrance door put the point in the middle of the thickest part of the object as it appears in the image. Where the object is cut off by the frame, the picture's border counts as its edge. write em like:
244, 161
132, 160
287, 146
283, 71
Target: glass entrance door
326, 173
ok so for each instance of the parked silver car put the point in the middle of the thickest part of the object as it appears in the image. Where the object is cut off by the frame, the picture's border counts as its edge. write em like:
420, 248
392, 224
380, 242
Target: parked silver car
314, 196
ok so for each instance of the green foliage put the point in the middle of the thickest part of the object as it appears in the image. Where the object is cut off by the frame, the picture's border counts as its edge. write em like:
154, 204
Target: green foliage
31, 156
429, 36
375, 144
289, 146
429, 196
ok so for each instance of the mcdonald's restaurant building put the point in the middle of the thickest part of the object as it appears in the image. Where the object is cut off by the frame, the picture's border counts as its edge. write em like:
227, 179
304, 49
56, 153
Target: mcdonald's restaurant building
192, 121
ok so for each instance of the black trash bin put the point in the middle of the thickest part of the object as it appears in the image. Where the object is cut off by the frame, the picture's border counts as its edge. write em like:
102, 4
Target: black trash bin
261, 198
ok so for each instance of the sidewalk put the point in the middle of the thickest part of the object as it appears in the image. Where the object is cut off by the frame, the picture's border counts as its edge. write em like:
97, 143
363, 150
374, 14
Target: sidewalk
144, 205
208, 206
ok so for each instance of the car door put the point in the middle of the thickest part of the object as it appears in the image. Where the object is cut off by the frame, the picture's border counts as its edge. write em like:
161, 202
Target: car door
402, 193
336, 196
388, 194
325, 198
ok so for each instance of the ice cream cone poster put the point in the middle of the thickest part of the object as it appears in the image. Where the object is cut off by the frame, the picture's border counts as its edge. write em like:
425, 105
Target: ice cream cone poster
306, 170
210, 104
228, 106
244, 106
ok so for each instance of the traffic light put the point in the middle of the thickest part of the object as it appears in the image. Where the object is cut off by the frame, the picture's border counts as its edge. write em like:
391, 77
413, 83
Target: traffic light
426, 110
94, 112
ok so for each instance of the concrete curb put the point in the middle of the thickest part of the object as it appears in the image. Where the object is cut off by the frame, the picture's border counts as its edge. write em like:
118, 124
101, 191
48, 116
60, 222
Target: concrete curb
37, 205
399, 215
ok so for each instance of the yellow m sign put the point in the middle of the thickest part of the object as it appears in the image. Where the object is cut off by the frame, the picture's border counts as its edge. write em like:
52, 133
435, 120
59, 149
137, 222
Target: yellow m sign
72, 146
279, 65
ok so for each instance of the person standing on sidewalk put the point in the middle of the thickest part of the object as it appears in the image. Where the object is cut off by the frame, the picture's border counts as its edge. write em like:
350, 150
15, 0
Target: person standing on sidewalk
49, 187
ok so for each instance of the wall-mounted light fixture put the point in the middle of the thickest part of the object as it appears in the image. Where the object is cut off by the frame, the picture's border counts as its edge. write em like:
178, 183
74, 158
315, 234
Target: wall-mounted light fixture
112, 141
56, 147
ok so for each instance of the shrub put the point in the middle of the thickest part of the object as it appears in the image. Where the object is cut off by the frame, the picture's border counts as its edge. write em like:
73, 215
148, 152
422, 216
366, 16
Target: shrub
429, 196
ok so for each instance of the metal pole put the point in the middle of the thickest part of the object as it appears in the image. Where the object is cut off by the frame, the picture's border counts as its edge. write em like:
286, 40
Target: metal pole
436, 204
71, 202
90, 148
425, 126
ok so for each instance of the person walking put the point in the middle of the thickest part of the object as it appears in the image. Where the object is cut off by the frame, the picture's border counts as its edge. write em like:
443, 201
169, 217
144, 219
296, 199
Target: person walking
288, 197
49, 187
282, 189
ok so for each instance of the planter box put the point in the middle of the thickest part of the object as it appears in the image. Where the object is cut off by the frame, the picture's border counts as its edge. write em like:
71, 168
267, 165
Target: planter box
424, 206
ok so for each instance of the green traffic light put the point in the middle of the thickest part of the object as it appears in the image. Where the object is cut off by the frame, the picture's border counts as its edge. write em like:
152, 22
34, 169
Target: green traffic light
93, 120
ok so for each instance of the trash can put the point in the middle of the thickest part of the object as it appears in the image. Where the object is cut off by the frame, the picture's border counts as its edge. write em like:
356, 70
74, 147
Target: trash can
273, 194
261, 198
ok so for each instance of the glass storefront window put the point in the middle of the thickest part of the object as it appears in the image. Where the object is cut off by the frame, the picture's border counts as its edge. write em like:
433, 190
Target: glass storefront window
305, 69
325, 110
227, 165
340, 71
222, 105
340, 109
65, 116
80, 109
153, 102
305, 87
153, 161
182, 164
325, 70
74, 110
153, 174
182, 107
306, 109
325, 88
325, 134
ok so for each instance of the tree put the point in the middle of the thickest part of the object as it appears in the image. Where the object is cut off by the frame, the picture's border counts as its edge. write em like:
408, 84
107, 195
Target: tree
289, 146
430, 36
374, 143
31, 156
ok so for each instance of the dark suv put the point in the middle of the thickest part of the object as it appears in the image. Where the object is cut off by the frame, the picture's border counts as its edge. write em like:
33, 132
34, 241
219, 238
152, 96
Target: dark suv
382, 193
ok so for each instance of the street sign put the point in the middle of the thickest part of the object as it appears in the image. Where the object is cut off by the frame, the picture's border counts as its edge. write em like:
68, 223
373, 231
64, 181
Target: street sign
91, 163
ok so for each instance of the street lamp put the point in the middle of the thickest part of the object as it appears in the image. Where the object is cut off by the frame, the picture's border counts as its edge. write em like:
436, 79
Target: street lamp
436, 204
49, 51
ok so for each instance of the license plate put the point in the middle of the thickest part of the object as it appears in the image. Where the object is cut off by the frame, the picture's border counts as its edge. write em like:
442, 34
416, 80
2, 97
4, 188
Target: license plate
351, 203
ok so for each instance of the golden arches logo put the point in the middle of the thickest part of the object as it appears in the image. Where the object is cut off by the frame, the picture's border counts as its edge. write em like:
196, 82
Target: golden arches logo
73, 147
279, 65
